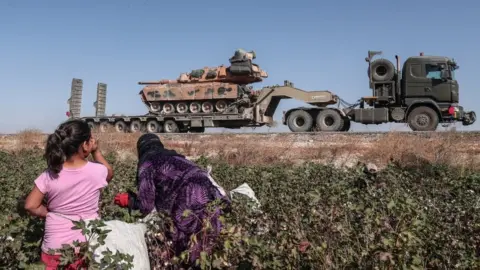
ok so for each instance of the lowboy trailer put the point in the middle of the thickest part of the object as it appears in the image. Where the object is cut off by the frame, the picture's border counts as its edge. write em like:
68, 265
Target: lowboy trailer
423, 94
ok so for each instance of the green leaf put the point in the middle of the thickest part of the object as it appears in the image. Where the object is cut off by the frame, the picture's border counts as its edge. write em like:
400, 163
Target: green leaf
391, 204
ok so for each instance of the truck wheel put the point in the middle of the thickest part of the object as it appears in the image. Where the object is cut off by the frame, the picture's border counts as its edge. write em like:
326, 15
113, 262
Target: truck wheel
300, 121
383, 70
136, 126
120, 126
330, 120
423, 119
170, 127
346, 125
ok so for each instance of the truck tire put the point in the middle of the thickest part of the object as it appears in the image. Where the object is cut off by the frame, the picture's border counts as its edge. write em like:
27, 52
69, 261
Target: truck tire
92, 126
346, 125
383, 70
152, 126
423, 119
120, 126
330, 120
300, 121
136, 126
170, 127
104, 126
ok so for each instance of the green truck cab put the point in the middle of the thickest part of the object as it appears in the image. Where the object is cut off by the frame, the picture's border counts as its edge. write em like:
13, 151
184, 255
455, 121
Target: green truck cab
424, 94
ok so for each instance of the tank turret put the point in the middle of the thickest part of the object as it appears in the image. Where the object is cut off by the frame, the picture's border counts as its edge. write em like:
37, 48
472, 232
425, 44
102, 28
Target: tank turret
206, 90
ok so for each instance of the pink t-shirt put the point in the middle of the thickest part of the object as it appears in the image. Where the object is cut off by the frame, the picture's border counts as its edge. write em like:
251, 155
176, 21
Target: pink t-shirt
74, 194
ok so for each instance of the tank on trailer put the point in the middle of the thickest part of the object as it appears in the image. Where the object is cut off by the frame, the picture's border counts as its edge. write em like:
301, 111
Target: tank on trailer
206, 90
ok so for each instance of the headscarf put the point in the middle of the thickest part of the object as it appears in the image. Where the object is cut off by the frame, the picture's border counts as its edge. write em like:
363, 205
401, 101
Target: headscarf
150, 144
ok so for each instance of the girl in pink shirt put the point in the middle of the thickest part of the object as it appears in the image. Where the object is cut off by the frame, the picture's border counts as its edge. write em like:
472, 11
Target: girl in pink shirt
71, 185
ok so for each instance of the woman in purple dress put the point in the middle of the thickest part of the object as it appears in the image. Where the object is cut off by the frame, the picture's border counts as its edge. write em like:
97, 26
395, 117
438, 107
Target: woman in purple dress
167, 182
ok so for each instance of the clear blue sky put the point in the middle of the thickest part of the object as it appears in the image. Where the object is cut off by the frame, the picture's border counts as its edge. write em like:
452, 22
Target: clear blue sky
315, 44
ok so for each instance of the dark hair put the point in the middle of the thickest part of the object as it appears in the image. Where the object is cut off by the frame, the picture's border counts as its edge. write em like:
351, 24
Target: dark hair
65, 142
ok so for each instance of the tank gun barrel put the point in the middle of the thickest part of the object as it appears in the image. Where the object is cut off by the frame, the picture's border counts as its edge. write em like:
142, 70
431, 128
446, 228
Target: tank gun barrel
149, 82
156, 82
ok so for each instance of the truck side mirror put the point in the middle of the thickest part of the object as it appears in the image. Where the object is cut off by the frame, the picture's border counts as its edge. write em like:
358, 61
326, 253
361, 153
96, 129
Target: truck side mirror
445, 74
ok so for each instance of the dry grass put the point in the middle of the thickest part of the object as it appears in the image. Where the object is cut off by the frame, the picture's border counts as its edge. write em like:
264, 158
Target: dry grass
348, 149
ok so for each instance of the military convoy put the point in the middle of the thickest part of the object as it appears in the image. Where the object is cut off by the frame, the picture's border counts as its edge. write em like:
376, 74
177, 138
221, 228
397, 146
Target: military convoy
423, 94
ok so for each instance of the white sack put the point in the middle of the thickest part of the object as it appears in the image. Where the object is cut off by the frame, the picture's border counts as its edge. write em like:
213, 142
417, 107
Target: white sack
127, 238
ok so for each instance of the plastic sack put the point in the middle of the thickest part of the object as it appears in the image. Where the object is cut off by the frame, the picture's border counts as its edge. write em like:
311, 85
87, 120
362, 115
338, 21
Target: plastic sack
243, 189
127, 238
220, 189
246, 190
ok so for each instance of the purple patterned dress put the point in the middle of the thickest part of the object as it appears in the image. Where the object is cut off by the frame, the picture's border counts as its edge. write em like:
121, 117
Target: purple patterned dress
170, 183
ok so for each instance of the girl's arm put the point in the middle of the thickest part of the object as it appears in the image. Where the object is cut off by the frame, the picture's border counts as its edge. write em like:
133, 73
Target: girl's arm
33, 203
98, 157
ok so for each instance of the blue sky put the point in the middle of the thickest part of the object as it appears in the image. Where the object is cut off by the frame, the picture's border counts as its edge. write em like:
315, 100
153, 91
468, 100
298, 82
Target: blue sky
315, 44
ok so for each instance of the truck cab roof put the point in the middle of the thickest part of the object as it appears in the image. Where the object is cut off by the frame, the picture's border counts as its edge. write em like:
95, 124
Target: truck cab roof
429, 58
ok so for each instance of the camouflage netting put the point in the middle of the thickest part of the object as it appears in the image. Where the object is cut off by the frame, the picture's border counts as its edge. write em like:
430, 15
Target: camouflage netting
211, 74
197, 73
242, 55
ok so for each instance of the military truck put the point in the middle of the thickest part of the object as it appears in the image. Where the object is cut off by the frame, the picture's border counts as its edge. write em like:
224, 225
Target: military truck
424, 94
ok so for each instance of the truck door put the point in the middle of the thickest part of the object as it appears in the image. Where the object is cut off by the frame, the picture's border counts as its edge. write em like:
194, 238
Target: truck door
415, 79
436, 88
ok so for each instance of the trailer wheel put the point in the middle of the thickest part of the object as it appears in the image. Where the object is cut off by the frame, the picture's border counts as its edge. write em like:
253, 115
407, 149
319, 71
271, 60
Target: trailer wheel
300, 121
330, 120
170, 127
120, 126
423, 119
383, 70
104, 126
92, 126
152, 126
136, 126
